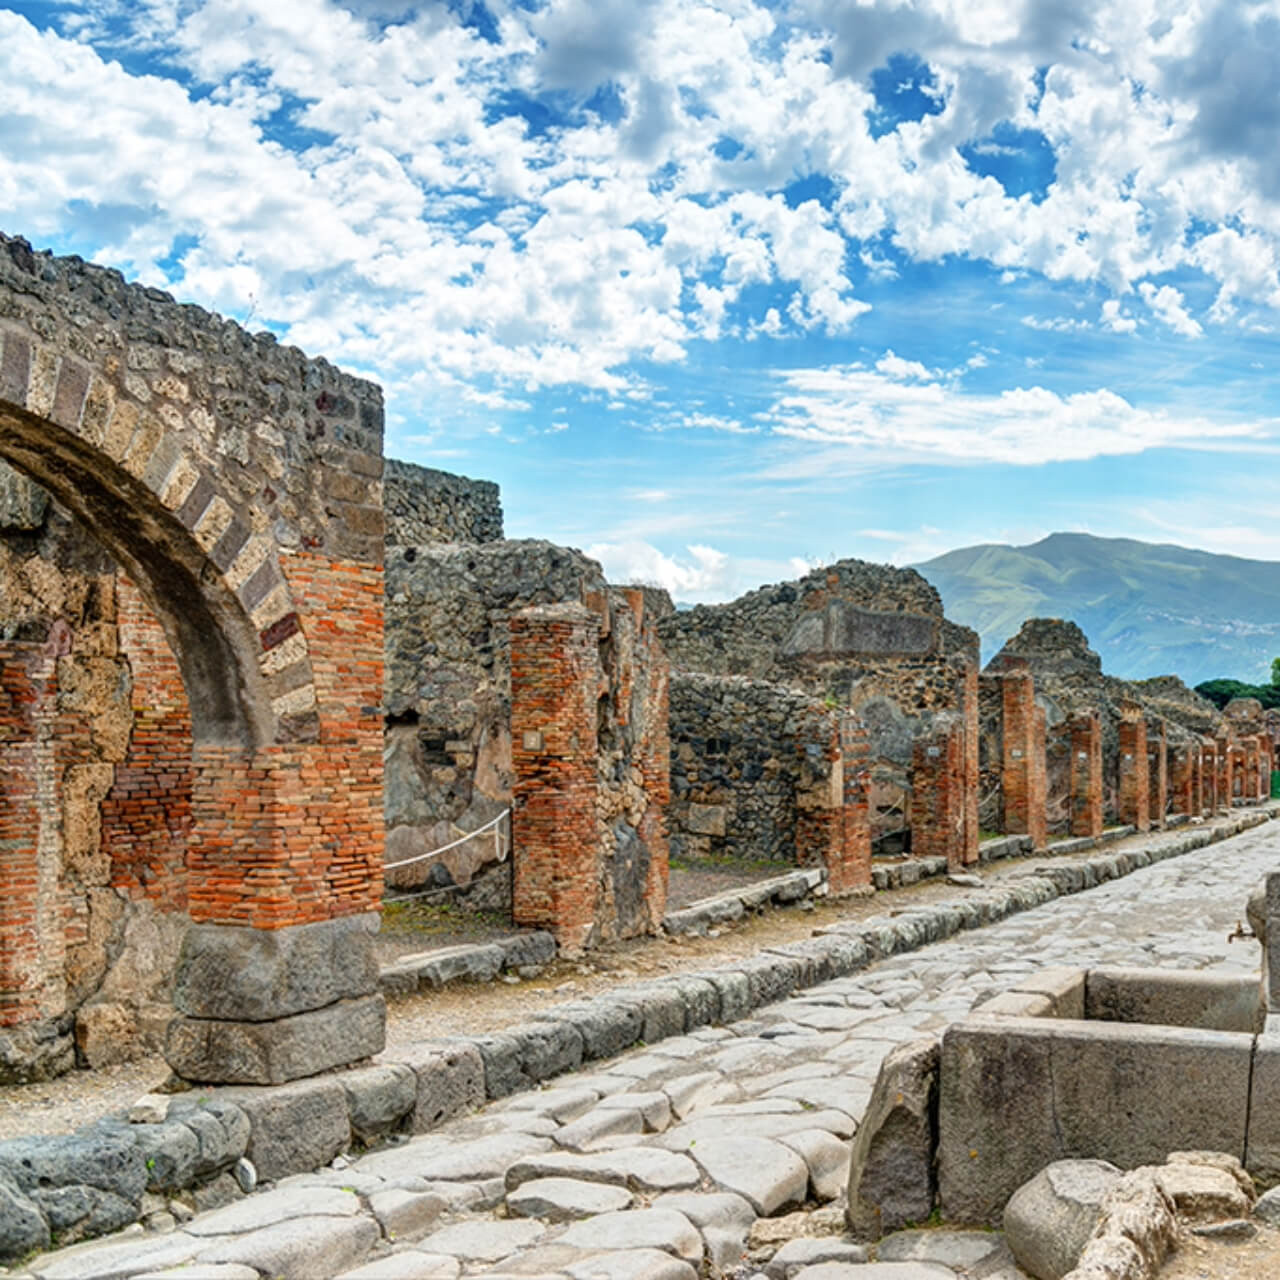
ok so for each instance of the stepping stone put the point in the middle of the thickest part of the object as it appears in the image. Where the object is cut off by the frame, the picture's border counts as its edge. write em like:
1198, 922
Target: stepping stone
406, 1215
640, 1168
765, 1173
638, 1229
718, 1209
827, 1159
484, 1158
269, 1207
301, 1249
483, 1240
632, 1264
566, 1199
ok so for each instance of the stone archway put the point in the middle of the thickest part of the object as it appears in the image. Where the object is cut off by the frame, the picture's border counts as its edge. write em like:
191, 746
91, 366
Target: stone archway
238, 484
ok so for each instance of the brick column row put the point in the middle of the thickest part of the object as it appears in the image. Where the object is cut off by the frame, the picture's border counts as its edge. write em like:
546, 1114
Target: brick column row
1023, 775
1085, 734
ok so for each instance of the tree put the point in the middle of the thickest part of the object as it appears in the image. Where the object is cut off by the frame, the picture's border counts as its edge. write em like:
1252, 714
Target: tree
1275, 671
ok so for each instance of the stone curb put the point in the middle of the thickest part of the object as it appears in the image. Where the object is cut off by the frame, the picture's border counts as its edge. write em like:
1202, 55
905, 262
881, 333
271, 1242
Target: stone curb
302, 1126
733, 904
467, 962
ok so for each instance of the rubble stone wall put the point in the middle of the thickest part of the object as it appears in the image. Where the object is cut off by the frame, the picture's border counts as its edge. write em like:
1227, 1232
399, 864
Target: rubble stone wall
424, 506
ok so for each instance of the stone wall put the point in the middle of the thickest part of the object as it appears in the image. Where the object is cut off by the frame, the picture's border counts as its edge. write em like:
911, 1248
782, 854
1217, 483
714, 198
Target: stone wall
736, 752
424, 506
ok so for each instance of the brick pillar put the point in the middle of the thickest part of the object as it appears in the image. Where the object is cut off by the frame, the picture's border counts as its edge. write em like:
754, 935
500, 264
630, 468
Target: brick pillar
1134, 799
1023, 778
655, 770
1157, 772
1182, 775
819, 792
1209, 775
1266, 759
972, 771
938, 798
1085, 732
853, 871
1239, 783
555, 681
30, 927
1226, 775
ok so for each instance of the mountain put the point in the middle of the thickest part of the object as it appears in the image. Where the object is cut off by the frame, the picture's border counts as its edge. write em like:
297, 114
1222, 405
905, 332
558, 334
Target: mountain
1148, 609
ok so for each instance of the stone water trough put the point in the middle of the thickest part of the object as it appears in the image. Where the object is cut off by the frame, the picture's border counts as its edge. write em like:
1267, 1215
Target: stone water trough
1120, 1065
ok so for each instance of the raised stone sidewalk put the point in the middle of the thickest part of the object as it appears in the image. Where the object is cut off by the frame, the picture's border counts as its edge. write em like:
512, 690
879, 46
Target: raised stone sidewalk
692, 1150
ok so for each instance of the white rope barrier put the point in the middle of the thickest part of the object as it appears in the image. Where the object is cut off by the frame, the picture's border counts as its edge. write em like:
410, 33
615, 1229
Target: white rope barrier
501, 848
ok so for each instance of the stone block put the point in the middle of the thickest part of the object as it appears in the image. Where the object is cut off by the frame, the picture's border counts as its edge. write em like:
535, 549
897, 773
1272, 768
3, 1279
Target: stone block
109, 1161
467, 963
234, 973
534, 947
661, 1009
294, 1128
80, 1212
35, 1051
449, 1080
705, 819
221, 1129
606, 1028
1049, 1219
1263, 1149
1019, 1093
209, 1050
1064, 988
700, 999
378, 1098
891, 1167
771, 977
1214, 1001
171, 1153
547, 1049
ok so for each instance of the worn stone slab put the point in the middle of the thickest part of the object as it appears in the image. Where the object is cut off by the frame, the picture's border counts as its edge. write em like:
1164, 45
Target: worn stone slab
964, 1250
484, 1158
765, 1173
535, 947
1216, 1001
638, 1229
269, 1207
718, 1209
631, 1264
796, 1255
406, 1215
408, 1264
825, 1156
566, 1199
606, 1028
483, 1240
116, 1257
640, 1168
300, 1249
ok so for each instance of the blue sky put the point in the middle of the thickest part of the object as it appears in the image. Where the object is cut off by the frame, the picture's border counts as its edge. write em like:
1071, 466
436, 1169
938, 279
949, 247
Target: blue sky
716, 291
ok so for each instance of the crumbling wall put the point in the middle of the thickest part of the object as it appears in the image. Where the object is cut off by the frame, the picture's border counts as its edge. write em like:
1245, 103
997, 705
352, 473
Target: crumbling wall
870, 638
448, 695
111, 782
424, 506
735, 766
590, 755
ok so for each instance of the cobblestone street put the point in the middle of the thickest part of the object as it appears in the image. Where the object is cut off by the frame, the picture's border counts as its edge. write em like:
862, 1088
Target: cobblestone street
675, 1157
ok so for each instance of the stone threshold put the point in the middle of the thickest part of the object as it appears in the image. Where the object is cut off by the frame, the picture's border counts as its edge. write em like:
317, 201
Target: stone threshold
465, 962
304, 1125
791, 889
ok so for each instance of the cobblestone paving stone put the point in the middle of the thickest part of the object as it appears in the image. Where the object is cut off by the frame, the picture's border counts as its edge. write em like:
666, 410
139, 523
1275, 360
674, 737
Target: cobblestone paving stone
657, 1164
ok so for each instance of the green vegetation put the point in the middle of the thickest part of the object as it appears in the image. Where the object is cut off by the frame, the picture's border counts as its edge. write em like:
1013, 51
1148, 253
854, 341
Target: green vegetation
1221, 691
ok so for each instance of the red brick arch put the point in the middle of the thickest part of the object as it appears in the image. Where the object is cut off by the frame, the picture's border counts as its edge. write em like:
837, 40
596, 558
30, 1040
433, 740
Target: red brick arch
212, 577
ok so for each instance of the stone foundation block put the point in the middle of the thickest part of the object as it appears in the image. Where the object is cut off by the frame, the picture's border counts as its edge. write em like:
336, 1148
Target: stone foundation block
734, 991
548, 1048
221, 1129
1263, 1152
699, 997
661, 1009
537, 947
1217, 1002
238, 974
222, 1052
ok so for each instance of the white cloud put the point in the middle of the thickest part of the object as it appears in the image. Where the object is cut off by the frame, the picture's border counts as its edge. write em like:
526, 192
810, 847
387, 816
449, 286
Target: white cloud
1166, 302
1116, 319
704, 573
849, 418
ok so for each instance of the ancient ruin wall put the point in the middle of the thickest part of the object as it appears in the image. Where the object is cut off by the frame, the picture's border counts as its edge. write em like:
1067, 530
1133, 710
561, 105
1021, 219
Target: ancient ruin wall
870, 638
735, 766
424, 506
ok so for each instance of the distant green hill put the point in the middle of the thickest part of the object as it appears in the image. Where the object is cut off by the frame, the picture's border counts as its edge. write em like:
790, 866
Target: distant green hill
1148, 609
